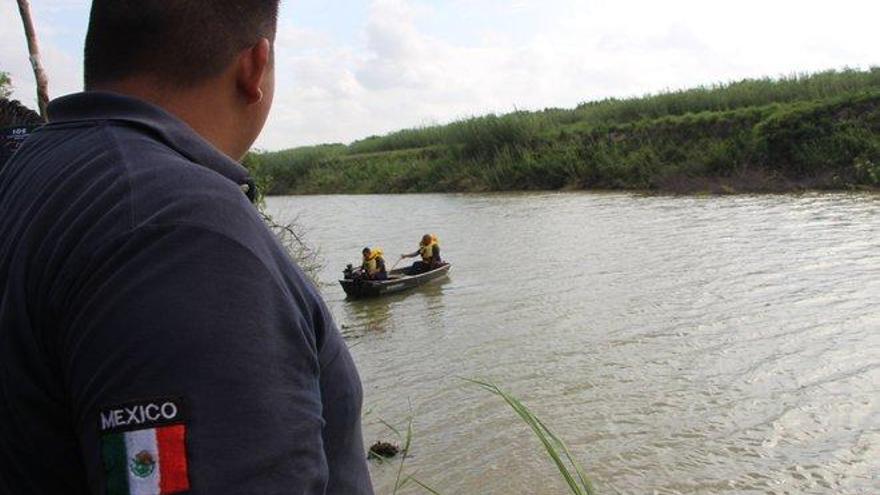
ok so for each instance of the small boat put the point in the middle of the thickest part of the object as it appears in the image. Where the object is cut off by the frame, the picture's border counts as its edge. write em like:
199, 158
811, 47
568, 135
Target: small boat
398, 281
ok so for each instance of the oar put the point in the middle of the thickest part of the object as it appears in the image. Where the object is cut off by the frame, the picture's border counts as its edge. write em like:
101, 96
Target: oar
395, 265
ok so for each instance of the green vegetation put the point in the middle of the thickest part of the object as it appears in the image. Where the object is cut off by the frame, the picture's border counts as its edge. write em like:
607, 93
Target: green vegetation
291, 235
804, 131
12, 112
401, 479
568, 467
570, 470
5, 85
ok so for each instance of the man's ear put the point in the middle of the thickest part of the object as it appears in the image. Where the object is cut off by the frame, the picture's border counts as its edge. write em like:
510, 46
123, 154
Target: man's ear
253, 66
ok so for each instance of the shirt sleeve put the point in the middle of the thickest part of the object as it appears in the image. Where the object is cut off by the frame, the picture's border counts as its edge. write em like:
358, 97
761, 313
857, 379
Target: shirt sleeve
191, 314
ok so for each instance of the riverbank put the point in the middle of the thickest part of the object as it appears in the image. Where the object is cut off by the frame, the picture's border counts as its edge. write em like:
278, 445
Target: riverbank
819, 131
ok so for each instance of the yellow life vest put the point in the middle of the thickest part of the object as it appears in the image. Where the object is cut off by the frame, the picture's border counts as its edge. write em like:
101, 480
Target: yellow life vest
371, 262
427, 250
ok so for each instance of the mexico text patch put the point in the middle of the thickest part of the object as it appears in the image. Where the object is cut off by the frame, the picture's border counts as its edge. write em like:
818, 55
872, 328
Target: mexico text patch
143, 445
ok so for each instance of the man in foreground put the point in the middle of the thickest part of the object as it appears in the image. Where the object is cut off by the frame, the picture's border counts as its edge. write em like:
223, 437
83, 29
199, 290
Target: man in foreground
154, 336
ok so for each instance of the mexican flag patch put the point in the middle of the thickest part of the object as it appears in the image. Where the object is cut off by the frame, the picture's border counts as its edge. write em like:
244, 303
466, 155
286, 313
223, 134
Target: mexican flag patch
144, 448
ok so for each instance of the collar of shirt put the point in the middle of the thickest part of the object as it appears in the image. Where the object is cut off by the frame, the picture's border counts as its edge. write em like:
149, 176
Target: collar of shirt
173, 132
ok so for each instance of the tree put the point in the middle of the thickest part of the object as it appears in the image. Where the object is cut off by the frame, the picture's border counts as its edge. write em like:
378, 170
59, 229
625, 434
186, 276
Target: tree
34, 51
5, 85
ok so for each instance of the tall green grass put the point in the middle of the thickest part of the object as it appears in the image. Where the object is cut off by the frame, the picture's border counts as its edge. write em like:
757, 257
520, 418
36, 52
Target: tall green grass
494, 129
731, 96
815, 130
281, 170
402, 479
569, 469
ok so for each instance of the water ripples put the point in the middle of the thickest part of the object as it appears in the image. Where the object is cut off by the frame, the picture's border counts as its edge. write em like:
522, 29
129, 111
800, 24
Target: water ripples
679, 345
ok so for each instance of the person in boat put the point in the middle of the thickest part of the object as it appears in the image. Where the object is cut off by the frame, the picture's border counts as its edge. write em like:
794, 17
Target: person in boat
373, 267
429, 250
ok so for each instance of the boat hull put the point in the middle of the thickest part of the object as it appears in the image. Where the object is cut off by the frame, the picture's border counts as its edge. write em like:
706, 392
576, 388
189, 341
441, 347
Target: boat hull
398, 282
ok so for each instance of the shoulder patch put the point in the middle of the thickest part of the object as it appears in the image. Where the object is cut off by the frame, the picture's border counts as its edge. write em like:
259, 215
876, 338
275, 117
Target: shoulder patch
143, 446
137, 415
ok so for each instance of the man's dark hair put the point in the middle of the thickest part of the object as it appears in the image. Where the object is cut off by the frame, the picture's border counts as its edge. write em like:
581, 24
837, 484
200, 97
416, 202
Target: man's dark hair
181, 42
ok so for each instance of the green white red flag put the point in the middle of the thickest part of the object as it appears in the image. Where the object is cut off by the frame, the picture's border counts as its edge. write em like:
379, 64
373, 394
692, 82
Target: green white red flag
144, 448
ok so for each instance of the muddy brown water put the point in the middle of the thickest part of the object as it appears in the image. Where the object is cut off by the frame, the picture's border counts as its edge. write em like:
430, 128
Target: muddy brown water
678, 344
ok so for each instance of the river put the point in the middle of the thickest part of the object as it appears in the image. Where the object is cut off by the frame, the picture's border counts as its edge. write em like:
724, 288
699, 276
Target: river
677, 344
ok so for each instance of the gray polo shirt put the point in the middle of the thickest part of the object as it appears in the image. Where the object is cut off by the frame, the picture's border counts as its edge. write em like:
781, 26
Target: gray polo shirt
154, 336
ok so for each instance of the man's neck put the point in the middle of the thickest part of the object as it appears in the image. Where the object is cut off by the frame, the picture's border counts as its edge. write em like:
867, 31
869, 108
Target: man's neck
201, 108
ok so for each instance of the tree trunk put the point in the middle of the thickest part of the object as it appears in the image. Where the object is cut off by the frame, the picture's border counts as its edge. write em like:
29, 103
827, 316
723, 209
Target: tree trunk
33, 49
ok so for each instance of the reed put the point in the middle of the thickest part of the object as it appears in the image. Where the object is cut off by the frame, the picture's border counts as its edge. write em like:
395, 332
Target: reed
803, 131
402, 479
568, 467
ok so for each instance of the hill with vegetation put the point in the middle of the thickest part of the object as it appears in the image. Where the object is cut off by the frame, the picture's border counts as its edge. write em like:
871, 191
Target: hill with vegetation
816, 131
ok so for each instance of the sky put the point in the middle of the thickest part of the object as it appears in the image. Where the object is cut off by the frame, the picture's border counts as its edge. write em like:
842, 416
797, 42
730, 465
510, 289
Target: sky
347, 69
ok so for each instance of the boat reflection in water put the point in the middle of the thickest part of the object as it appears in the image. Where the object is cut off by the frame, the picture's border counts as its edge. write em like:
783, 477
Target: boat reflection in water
371, 315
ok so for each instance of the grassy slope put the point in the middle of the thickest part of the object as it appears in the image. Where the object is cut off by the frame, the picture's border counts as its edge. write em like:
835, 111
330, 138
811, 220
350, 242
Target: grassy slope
815, 131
